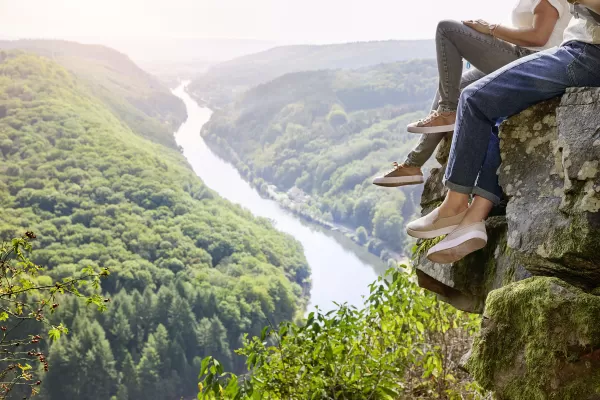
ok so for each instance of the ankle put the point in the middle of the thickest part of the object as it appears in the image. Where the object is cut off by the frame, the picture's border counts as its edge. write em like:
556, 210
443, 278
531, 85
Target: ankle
450, 210
471, 218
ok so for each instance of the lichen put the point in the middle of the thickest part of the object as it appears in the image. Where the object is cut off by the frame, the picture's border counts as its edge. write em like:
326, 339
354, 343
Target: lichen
535, 341
588, 170
590, 201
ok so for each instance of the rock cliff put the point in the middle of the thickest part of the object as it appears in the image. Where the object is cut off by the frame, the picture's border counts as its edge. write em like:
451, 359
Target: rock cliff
537, 282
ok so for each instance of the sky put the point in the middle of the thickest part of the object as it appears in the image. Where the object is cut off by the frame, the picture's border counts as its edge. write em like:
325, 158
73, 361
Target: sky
279, 21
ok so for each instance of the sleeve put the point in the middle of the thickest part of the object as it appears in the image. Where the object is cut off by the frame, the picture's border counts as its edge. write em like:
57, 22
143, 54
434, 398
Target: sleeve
558, 4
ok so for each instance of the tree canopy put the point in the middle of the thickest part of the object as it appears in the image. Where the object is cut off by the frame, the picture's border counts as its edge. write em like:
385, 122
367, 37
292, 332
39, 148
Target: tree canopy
190, 272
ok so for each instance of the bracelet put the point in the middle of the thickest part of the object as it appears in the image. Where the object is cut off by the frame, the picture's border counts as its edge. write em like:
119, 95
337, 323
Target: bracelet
493, 28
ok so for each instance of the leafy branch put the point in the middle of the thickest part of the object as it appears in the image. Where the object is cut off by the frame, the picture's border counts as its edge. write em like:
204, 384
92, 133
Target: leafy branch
26, 304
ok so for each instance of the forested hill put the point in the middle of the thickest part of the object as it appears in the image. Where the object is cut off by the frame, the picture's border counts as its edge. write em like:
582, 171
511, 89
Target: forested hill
224, 81
136, 97
328, 133
190, 272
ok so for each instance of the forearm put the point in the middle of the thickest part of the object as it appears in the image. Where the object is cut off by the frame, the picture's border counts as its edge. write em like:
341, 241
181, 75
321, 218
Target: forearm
521, 37
593, 5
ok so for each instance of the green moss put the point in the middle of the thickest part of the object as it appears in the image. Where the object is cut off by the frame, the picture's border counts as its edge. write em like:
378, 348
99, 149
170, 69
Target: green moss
490, 273
426, 244
534, 342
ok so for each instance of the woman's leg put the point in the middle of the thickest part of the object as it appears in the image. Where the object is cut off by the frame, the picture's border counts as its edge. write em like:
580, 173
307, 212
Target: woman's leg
455, 42
423, 151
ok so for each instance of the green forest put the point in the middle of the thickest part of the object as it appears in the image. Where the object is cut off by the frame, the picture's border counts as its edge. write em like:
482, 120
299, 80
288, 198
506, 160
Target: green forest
328, 133
136, 97
189, 272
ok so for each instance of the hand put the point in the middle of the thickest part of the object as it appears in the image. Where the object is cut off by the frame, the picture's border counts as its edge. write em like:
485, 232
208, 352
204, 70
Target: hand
480, 26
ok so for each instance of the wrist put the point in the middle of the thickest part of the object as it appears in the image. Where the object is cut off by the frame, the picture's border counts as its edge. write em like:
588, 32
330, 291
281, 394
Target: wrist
493, 28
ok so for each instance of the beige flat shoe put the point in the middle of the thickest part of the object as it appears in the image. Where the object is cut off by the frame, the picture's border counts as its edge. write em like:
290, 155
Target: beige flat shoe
458, 244
432, 225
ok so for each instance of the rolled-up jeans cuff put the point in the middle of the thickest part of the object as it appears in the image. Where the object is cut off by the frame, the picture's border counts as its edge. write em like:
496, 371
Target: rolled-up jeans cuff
457, 188
477, 191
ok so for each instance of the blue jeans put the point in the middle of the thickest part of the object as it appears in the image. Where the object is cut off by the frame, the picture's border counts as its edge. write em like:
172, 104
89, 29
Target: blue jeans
475, 155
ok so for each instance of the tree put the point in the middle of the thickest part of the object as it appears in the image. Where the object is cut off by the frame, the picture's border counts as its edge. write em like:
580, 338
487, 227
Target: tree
212, 338
361, 235
129, 377
388, 225
155, 365
83, 365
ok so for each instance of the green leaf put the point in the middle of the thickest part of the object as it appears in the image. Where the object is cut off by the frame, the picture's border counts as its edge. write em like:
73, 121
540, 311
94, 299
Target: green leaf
3, 316
316, 327
420, 327
283, 330
389, 392
54, 334
263, 333
204, 366
25, 367
232, 387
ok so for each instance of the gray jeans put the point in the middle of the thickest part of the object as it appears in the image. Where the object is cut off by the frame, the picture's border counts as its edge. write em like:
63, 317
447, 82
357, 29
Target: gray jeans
455, 42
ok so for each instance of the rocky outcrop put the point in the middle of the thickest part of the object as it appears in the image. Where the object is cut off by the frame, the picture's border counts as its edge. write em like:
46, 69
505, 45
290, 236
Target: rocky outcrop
538, 280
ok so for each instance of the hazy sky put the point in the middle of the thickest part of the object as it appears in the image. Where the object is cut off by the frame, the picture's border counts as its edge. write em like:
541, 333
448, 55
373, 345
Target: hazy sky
283, 21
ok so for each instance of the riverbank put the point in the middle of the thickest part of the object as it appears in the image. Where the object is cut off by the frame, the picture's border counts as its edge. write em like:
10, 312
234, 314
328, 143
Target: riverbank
304, 206
340, 270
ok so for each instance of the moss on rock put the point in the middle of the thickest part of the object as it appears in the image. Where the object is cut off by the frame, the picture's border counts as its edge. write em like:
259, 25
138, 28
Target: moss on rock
540, 340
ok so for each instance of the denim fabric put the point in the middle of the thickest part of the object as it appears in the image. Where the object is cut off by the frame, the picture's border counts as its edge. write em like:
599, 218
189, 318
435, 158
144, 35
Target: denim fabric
475, 155
454, 42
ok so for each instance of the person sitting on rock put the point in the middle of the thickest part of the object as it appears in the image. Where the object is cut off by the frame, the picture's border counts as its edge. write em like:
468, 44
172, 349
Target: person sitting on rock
475, 153
538, 25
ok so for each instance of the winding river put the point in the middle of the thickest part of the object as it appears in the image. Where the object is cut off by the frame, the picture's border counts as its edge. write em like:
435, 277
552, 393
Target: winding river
340, 270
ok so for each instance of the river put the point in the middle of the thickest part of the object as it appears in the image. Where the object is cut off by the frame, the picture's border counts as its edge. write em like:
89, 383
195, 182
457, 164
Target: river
340, 270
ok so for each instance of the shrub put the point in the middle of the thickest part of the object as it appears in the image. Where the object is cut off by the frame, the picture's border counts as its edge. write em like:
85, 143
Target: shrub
404, 343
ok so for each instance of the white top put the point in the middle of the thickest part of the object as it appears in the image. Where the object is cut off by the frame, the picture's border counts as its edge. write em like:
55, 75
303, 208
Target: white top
582, 30
523, 13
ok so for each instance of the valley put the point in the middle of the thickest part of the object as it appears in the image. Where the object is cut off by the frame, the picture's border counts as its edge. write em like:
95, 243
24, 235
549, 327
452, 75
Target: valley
113, 171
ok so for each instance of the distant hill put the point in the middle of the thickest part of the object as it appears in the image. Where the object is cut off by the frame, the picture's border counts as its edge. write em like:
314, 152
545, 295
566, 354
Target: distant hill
138, 98
224, 81
185, 50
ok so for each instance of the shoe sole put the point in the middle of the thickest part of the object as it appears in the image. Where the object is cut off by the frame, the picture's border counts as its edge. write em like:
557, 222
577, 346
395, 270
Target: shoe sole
399, 181
430, 129
456, 249
431, 234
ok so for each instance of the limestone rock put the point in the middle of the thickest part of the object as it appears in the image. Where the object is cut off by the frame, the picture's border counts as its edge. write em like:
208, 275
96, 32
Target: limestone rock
550, 172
